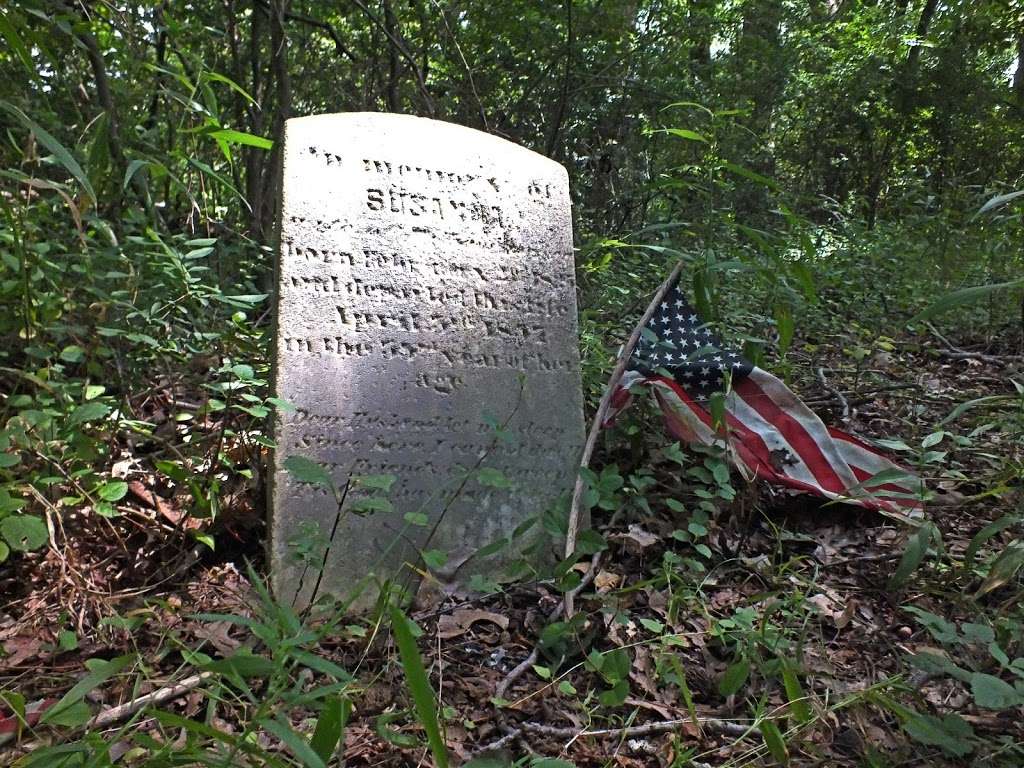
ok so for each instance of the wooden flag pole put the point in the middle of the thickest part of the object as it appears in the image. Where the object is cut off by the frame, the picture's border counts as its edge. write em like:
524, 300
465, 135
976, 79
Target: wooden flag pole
573, 527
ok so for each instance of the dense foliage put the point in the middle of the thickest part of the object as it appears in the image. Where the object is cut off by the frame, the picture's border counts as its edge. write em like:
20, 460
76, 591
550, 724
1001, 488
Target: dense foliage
828, 169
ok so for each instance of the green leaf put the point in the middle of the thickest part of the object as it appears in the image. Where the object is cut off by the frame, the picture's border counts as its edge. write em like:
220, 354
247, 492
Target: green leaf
684, 133
59, 152
734, 678
5, 551
239, 137
115, 490
964, 296
133, 168
1004, 568
590, 542
296, 744
244, 663
746, 173
798, 705
951, 733
376, 482
775, 742
330, 727
71, 716
992, 693
913, 555
616, 665
24, 532
306, 470
370, 504
419, 686
16, 44
985, 534
88, 412
323, 666
72, 354
493, 478
434, 558
488, 762
943, 631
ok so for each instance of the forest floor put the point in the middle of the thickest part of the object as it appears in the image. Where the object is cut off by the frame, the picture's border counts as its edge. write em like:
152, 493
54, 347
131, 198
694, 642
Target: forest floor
791, 625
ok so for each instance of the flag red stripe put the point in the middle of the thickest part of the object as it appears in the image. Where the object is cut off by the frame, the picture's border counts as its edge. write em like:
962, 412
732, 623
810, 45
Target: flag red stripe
793, 431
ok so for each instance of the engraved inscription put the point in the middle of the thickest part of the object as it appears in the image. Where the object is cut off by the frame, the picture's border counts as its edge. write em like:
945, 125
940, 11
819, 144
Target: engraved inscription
426, 294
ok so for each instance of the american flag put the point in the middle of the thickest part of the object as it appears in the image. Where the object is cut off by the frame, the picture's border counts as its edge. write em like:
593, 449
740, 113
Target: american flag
767, 431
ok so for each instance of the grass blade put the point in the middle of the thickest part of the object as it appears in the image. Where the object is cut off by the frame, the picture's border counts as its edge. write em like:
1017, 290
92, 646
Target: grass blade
59, 151
419, 686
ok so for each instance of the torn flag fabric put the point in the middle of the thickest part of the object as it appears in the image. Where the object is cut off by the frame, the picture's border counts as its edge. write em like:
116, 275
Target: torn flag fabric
711, 394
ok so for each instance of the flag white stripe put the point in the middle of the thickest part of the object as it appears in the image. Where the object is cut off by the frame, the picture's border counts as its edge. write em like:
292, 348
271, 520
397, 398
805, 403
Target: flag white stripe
753, 421
815, 428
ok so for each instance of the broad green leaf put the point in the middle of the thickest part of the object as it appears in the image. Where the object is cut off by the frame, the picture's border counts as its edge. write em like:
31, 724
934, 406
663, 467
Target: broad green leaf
992, 693
750, 175
62, 155
133, 167
24, 532
963, 407
419, 686
950, 733
306, 470
434, 558
88, 412
590, 542
114, 490
370, 504
244, 663
493, 478
943, 631
734, 678
322, 665
376, 482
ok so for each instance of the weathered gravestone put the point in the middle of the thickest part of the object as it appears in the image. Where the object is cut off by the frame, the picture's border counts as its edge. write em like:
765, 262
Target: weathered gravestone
425, 293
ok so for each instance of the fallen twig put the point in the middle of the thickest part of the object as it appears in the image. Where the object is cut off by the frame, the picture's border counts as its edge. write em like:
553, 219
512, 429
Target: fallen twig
573, 526
713, 725
835, 393
157, 697
648, 729
521, 668
953, 352
121, 712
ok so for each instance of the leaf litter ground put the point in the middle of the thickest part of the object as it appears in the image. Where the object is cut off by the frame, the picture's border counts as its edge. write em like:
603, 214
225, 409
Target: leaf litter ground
789, 583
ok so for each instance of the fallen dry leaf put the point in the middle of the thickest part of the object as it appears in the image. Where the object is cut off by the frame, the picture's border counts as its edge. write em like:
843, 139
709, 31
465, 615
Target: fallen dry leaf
458, 622
606, 580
